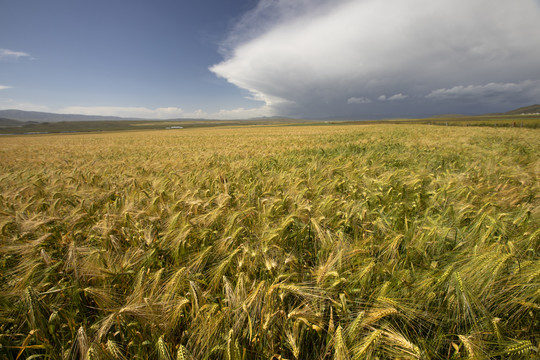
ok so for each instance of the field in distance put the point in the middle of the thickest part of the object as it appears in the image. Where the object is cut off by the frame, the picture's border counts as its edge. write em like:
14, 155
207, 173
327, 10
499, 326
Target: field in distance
9, 127
12, 127
277, 242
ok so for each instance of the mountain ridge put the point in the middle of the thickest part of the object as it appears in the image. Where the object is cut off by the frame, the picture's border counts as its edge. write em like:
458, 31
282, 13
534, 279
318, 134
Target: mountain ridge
24, 116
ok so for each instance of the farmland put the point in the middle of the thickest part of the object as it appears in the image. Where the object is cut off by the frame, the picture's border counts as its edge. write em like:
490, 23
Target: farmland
308, 242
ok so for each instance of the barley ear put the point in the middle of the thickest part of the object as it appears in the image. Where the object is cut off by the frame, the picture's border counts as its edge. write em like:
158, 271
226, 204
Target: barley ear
163, 352
183, 353
341, 352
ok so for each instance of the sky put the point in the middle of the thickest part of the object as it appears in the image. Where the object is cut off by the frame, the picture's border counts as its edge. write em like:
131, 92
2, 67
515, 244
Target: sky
238, 59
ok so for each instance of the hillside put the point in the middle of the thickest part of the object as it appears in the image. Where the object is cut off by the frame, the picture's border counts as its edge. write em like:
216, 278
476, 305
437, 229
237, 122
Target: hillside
10, 122
532, 109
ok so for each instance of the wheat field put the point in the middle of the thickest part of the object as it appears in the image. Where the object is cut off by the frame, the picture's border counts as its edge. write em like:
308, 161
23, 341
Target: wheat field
287, 242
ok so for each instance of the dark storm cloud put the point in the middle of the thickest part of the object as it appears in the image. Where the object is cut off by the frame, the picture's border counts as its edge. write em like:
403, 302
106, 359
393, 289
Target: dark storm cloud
370, 58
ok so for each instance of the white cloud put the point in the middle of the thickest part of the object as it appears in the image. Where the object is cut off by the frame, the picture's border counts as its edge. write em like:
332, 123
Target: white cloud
141, 112
3, 87
138, 112
486, 91
358, 100
304, 57
395, 97
399, 96
6, 54
166, 112
6, 104
242, 113
267, 13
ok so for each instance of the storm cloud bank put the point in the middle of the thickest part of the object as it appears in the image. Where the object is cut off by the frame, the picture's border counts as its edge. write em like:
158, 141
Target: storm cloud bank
381, 58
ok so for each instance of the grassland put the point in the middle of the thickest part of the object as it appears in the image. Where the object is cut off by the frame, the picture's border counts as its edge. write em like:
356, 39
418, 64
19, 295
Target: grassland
134, 125
523, 121
305, 242
33, 128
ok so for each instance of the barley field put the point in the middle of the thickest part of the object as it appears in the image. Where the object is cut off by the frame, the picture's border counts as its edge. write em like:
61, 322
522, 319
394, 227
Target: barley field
279, 242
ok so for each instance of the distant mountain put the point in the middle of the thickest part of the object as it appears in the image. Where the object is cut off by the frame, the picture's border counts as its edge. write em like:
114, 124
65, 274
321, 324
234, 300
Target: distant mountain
9, 122
21, 115
532, 109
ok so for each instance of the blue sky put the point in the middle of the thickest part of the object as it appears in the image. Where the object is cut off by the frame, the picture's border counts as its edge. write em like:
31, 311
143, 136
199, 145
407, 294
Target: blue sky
249, 58
85, 54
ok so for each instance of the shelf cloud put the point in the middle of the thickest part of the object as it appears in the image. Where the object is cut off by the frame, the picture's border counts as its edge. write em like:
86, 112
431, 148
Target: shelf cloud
376, 58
